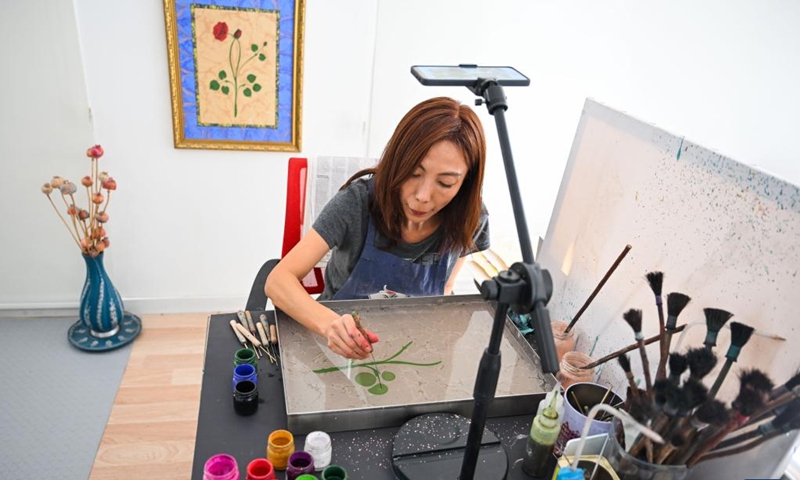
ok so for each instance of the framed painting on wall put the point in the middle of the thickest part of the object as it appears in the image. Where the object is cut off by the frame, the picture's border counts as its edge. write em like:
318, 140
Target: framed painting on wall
235, 71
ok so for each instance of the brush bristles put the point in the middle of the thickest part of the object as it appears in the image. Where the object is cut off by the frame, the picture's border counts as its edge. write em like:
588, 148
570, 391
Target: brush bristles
625, 363
634, 319
716, 318
694, 393
740, 334
656, 281
747, 402
677, 365
676, 302
756, 380
713, 413
793, 382
661, 390
701, 361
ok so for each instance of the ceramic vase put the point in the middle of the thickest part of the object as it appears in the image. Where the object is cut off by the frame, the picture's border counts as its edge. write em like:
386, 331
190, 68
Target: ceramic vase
101, 309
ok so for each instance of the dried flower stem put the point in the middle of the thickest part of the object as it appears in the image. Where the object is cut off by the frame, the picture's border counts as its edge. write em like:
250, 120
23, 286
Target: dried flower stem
64, 222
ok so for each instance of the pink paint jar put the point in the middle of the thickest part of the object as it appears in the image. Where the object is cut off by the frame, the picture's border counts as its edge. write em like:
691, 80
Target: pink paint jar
221, 467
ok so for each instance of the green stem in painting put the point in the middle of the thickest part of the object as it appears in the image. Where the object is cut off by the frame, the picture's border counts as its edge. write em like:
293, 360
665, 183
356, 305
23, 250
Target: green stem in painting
389, 361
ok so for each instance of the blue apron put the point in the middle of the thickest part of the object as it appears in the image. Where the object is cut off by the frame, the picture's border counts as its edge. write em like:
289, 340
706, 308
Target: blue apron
377, 270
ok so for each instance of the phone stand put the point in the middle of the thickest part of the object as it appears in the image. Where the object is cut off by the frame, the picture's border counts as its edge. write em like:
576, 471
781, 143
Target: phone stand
523, 288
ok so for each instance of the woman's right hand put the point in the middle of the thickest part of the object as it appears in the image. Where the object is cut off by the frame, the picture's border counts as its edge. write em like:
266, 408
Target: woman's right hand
344, 338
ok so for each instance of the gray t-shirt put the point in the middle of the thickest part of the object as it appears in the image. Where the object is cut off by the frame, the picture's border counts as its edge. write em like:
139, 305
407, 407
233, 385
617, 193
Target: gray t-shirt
343, 225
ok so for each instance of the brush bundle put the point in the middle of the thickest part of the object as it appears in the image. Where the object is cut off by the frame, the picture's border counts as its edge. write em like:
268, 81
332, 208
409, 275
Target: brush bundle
682, 407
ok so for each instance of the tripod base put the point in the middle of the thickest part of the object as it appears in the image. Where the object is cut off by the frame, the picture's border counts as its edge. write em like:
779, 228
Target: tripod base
431, 447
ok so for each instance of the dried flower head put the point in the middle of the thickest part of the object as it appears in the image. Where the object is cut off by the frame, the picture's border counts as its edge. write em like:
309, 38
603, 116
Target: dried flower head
86, 226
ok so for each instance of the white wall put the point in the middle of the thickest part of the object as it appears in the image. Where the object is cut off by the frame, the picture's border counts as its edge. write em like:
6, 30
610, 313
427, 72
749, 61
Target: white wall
189, 228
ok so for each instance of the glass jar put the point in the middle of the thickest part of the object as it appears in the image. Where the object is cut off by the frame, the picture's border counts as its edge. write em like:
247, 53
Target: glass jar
221, 467
245, 355
629, 467
334, 472
260, 469
318, 444
280, 445
299, 463
570, 371
245, 397
244, 371
565, 342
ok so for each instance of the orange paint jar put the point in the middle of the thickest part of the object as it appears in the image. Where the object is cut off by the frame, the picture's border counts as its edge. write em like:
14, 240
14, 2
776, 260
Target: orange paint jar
565, 342
279, 446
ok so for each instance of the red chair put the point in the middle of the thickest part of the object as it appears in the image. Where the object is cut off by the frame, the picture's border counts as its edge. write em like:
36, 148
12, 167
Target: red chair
314, 282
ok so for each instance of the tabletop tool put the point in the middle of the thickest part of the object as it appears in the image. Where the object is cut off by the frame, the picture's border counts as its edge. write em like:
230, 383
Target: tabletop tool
273, 340
251, 324
256, 343
267, 334
243, 320
363, 332
238, 335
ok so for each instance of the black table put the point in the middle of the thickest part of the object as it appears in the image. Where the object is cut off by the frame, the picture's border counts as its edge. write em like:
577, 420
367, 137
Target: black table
365, 454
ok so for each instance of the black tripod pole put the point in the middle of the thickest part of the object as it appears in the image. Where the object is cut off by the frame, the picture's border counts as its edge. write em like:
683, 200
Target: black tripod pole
525, 288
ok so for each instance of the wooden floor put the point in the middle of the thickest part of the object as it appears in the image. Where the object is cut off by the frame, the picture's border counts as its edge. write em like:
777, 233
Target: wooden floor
151, 430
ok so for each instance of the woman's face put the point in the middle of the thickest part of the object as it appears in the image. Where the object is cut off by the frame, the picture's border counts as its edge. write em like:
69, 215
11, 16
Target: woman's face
434, 183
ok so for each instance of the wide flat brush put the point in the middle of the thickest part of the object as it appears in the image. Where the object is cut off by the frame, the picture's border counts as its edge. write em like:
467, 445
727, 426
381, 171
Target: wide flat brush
701, 361
790, 413
715, 320
676, 302
740, 334
677, 365
656, 282
634, 318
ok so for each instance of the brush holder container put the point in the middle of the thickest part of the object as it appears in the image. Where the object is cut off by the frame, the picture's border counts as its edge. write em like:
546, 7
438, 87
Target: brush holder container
579, 398
631, 468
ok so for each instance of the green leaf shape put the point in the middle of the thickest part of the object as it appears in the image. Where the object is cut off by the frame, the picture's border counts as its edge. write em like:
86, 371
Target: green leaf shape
222, 75
262, 57
256, 87
251, 78
226, 89
254, 47
365, 379
247, 92
388, 376
378, 389
214, 85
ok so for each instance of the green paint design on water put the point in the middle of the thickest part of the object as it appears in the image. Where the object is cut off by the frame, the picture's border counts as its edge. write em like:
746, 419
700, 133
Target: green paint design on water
369, 378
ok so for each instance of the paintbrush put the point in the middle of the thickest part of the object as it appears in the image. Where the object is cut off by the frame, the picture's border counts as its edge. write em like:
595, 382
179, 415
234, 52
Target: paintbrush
675, 442
626, 349
676, 302
360, 327
677, 365
786, 387
792, 425
701, 361
656, 282
634, 318
598, 287
665, 395
782, 394
754, 389
782, 420
740, 334
713, 414
625, 363
715, 320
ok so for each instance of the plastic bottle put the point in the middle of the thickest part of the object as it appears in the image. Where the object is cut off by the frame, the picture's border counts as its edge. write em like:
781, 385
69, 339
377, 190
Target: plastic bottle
539, 459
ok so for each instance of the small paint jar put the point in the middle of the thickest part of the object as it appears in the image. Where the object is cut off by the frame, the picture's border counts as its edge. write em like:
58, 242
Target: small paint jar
221, 467
306, 476
299, 463
280, 445
334, 472
244, 371
245, 397
260, 469
245, 355
564, 341
318, 444
570, 370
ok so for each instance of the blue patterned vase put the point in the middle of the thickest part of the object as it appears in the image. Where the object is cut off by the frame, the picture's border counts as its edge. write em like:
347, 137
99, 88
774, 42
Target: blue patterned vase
101, 308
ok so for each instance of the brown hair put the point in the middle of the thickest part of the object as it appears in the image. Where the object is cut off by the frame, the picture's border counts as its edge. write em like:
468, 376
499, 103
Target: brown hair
428, 123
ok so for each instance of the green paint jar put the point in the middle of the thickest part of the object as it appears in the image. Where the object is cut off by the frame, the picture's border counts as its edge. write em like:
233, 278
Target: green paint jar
245, 355
334, 472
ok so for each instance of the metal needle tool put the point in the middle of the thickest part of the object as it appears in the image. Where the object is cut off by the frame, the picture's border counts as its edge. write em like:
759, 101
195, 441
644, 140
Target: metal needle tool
267, 331
363, 332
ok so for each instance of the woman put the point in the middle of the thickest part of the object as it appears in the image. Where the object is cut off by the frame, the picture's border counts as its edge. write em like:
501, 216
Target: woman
406, 227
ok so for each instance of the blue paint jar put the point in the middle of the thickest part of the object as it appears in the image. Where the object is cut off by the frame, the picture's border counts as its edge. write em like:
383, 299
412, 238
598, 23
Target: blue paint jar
244, 371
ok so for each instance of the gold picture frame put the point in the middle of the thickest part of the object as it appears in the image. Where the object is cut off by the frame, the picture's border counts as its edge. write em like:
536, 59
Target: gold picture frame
236, 73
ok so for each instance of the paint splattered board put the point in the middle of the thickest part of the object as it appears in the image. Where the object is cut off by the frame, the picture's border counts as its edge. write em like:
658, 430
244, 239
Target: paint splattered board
724, 233
427, 359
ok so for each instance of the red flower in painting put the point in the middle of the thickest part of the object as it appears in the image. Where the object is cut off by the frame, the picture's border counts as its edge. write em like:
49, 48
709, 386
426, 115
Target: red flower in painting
221, 31
237, 33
